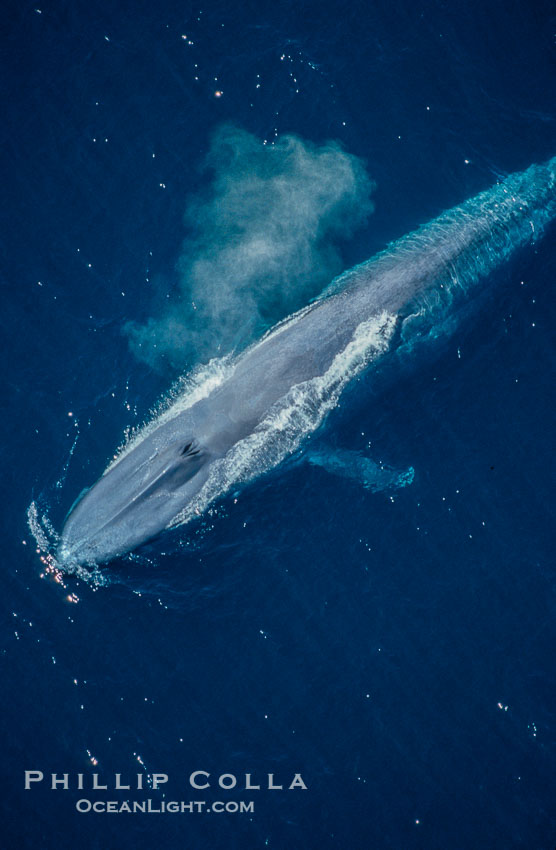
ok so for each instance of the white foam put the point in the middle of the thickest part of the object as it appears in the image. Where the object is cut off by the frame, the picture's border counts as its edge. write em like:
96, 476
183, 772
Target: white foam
43, 532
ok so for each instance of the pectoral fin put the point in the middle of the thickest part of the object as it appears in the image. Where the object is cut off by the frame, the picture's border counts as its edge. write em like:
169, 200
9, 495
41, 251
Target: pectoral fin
351, 464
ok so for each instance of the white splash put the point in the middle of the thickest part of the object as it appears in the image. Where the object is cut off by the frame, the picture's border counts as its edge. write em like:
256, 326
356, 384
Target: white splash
47, 539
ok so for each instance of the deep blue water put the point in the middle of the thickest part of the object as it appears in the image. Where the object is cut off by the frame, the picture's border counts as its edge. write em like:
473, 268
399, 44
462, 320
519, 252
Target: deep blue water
396, 649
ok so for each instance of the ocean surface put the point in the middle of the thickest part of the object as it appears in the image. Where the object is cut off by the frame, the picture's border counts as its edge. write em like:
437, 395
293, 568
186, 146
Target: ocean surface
394, 648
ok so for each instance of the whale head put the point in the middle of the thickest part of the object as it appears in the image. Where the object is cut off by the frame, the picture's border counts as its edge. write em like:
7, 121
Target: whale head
135, 500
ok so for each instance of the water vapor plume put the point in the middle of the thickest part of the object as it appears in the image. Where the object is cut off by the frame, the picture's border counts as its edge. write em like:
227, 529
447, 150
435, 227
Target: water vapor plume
263, 239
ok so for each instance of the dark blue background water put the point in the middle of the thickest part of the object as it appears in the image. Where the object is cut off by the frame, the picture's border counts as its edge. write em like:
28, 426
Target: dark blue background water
398, 652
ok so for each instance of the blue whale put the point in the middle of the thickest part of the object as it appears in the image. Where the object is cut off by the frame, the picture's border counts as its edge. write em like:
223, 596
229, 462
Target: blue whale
245, 415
